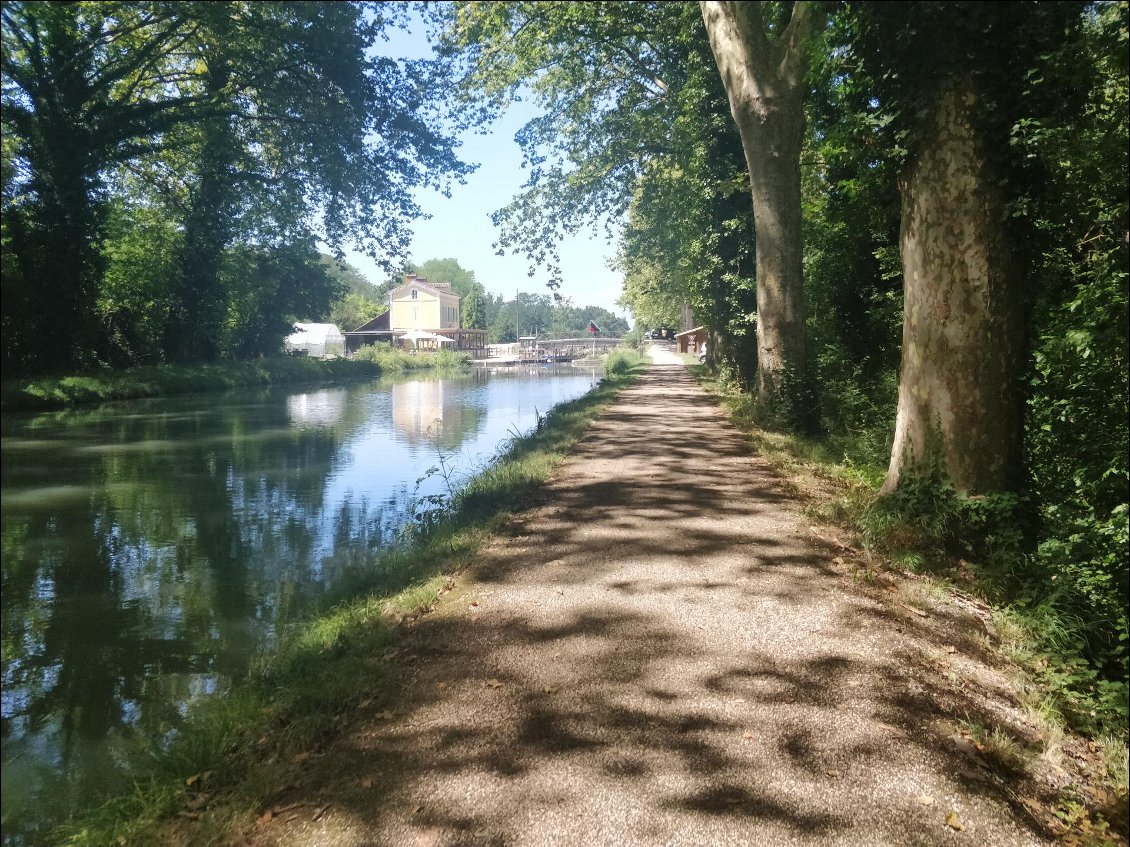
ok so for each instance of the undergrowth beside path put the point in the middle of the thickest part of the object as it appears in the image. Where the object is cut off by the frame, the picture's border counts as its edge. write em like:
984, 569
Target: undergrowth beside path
1062, 696
236, 751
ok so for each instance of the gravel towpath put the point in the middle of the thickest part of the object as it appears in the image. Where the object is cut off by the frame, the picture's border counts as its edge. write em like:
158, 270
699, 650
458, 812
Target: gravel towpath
662, 651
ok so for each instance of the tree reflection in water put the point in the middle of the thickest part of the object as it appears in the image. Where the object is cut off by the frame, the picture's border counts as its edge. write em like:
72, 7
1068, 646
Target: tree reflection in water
150, 549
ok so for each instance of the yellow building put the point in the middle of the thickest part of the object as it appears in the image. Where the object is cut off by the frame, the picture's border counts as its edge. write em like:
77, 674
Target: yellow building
422, 305
421, 315
419, 306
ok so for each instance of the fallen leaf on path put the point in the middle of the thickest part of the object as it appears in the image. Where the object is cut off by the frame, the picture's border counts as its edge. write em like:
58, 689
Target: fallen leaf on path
386, 715
949, 648
748, 735
924, 800
918, 612
417, 810
495, 683
367, 782
299, 758
954, 822
267, 816
832, 773
967, 747
474, 602
192, 780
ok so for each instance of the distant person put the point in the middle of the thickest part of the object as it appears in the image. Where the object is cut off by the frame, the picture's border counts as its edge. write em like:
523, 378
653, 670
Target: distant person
702, 353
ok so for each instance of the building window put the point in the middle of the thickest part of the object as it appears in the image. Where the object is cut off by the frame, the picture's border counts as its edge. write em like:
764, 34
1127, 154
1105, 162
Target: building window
414, 293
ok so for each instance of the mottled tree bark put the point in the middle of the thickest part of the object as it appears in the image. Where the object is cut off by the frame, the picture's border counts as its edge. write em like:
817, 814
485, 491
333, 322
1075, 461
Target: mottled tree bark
764, 81
962, 348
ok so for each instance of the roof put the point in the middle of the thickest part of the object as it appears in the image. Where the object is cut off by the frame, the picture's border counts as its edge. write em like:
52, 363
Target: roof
440, 288
380, 322
690, 331
315, 333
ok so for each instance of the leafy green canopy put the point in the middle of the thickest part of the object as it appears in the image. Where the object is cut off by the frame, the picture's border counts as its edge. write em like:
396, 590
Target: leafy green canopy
603, 74
266, 124
636, 132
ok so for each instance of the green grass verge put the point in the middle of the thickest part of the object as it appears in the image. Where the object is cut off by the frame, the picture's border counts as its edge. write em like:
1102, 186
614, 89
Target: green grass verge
393, 360
159, 380
236, 750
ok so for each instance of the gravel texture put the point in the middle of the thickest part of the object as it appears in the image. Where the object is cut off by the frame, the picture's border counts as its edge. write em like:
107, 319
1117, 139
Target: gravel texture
662, 651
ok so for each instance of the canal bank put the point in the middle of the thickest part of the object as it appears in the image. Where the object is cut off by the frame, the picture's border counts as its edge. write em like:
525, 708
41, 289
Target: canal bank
48, 393
295, 695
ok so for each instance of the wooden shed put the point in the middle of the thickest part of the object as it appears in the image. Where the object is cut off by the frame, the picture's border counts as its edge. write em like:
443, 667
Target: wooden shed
691, 340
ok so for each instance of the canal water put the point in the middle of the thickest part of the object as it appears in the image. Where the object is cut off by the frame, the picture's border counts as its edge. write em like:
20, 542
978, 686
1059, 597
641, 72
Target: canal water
152, 549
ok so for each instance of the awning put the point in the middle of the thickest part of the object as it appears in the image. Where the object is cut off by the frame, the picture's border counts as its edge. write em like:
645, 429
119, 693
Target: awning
418, 335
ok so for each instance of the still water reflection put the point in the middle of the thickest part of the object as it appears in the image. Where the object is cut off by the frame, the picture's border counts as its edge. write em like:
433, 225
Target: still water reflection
151, 549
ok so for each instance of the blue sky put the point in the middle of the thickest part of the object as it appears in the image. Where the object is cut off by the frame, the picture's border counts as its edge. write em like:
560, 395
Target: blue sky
461, 228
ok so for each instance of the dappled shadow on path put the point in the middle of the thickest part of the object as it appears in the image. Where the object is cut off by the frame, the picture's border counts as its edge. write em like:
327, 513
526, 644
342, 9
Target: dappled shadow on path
659, 654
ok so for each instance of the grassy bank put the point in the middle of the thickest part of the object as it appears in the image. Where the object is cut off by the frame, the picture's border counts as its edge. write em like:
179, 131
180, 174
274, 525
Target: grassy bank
160, 380
236, 752
942, 542
393, 361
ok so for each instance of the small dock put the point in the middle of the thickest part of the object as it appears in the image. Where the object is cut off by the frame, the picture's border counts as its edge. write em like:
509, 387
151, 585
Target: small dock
532, 350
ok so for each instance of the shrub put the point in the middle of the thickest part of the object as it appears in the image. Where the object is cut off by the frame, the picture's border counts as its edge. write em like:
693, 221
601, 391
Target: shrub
396, 360
620, 362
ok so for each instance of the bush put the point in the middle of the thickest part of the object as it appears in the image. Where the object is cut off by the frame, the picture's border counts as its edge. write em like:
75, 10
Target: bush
620, 362
634, 337
396, 360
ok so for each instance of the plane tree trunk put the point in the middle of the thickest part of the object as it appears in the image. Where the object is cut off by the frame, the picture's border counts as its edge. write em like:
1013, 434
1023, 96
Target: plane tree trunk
960, 403
764, 82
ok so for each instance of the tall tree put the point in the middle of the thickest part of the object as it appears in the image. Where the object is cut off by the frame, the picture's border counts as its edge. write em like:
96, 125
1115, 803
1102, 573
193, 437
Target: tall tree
952, 77
763, 60
78, 83
197, 310
634, 114
473, 308
271, 117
